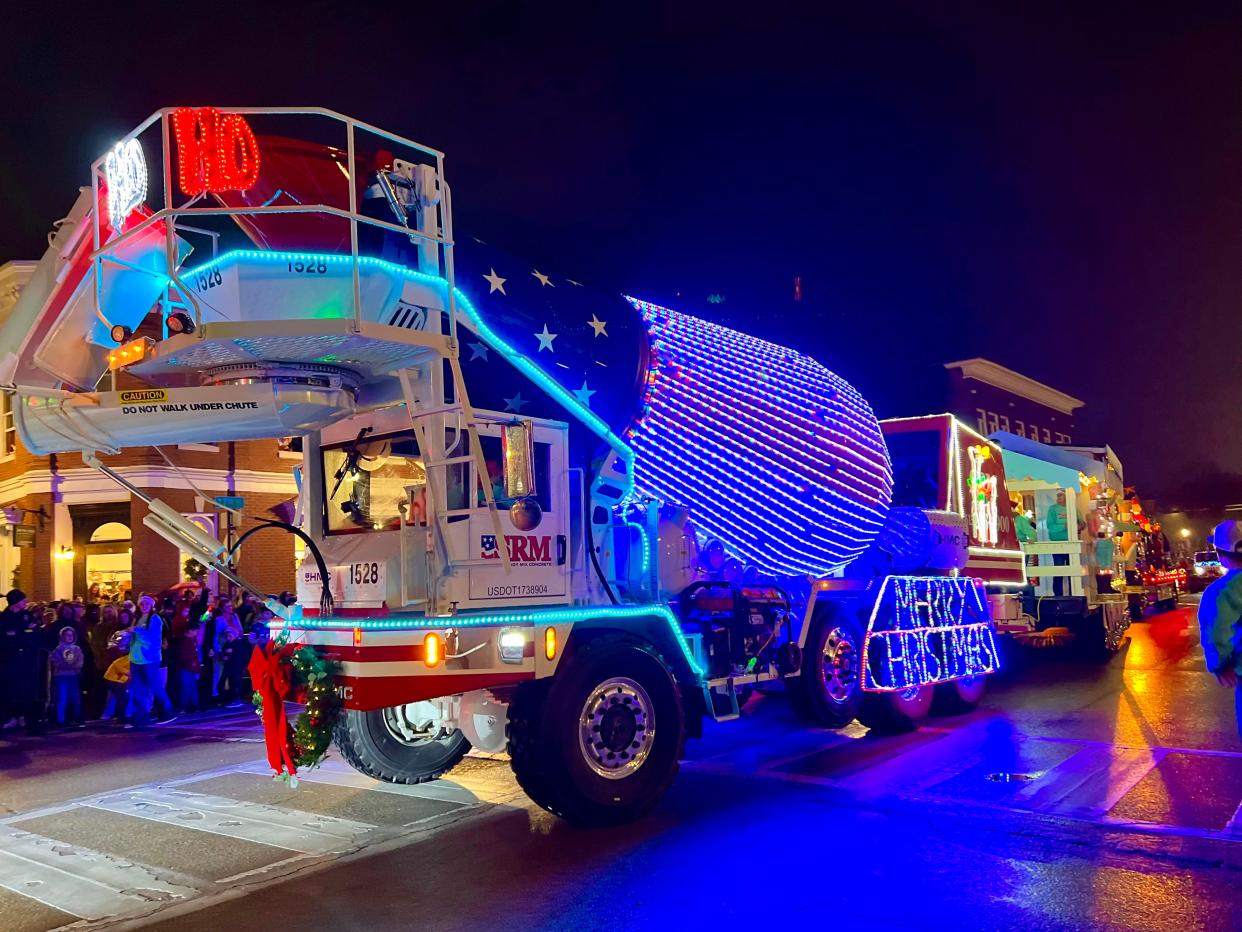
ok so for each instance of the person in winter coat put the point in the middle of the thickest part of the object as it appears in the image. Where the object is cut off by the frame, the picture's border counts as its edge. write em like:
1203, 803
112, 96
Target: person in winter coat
21, 664
20, 661
227, 628
67, 660
188, 664
1220, 614
145, 653
235, 655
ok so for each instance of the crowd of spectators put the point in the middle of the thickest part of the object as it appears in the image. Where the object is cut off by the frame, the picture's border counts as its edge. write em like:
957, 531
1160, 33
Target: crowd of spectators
122, 661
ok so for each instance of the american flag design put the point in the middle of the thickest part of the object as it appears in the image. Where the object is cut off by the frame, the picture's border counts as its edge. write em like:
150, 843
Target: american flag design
774, 455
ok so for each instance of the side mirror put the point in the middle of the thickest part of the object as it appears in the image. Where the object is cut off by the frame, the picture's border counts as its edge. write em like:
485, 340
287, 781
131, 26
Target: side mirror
518, 445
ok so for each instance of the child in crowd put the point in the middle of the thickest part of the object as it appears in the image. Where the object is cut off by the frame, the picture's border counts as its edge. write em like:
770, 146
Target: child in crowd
233, 659
117, 681
67, 660
188, 663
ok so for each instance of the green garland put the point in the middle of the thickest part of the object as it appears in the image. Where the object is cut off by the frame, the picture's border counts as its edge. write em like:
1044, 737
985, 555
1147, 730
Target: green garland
312, 681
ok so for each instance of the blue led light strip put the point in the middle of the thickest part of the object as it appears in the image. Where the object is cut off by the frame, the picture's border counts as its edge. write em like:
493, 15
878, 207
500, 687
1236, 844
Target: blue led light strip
520, 361
533, 617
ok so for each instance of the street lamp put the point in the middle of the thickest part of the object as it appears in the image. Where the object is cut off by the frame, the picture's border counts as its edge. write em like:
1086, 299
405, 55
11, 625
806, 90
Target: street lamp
1185, 532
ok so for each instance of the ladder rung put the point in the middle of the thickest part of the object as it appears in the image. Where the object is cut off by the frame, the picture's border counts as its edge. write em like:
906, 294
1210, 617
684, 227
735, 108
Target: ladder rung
457, 512
432, 412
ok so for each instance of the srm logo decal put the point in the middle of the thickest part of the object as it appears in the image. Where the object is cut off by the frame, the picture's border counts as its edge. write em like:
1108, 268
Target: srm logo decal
526, 549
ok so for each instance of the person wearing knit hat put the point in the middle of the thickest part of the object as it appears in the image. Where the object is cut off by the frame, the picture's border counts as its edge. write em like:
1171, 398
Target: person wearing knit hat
20, 657
1220, 614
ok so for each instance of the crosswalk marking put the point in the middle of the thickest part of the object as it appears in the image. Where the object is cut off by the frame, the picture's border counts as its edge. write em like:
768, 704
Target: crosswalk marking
1089, 782
1073, 778
291, 829
82, 882
1235, 824
332, 773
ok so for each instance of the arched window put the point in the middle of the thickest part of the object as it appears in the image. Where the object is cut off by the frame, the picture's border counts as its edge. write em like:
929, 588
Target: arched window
110, 532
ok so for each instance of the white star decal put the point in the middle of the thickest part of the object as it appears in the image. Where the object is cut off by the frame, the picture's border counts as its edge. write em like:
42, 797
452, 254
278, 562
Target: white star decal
572, 282
497, 283
478, 351
545, 340
515, 403
584, 394
543, 279
598, 326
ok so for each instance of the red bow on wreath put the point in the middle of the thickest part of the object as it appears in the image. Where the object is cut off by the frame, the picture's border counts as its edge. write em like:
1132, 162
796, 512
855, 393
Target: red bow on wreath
271, 671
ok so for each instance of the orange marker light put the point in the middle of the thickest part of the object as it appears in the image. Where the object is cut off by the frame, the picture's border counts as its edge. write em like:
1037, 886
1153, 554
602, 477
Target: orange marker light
357, 636
133, 352
433, 649
549, 643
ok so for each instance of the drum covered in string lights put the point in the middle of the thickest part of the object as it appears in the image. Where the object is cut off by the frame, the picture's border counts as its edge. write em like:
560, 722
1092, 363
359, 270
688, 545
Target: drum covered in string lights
774, 455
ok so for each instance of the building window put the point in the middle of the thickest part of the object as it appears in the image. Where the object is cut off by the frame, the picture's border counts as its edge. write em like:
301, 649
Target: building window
8, 433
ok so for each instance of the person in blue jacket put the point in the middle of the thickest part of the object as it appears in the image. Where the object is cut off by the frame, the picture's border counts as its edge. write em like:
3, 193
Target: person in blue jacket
1220, 614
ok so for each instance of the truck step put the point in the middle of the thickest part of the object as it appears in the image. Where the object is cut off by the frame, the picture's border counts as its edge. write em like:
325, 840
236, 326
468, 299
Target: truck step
721, 702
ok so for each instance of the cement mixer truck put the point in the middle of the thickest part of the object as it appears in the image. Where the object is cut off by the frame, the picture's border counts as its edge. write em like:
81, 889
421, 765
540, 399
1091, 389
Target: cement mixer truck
538, 518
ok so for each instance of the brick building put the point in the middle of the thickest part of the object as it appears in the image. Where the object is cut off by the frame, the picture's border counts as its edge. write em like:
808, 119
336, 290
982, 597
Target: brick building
990, 397
66, 526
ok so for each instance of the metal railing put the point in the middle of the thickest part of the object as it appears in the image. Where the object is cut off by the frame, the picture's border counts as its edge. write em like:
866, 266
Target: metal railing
171, 213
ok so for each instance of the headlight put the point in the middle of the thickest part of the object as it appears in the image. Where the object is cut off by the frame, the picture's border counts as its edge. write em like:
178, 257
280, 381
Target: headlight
512, 645
1199, 570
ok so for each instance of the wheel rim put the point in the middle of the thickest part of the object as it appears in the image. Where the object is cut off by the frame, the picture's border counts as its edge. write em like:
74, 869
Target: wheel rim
416, 724
617, 728
909, 694
840, 665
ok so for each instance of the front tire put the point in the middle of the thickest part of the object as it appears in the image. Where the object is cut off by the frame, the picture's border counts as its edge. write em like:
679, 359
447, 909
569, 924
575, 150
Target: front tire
601, 742
895, 713
828, 691
387, 744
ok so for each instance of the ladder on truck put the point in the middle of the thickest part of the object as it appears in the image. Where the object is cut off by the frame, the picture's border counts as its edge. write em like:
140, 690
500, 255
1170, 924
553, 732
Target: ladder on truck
429, 422
411, 189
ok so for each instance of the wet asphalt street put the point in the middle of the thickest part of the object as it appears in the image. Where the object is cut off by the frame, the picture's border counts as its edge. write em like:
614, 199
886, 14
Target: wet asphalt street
1123, 809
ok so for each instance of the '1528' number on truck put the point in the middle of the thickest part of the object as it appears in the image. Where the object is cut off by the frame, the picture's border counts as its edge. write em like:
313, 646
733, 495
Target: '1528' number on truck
363, 574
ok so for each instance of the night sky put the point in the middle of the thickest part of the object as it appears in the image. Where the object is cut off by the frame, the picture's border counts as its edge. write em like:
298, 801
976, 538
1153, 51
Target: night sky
1058, 192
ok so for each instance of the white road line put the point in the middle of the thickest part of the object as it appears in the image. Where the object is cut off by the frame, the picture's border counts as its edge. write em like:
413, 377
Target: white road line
81, 882
291, 829
1234, 825
345, 776
1090, 782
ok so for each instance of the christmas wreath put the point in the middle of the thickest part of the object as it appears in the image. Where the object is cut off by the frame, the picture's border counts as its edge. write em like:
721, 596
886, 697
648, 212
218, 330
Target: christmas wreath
281, 671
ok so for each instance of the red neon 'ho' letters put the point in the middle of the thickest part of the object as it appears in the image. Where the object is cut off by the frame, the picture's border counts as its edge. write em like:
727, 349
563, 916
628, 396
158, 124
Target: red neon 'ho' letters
215, 151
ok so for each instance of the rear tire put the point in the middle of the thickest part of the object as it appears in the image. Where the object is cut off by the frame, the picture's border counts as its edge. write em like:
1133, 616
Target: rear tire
599, 743
828, 691
896, 713
959, 696
372, 744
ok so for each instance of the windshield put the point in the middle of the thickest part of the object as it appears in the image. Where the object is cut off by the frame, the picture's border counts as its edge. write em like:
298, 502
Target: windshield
1207, 556
372, 485
916, 457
